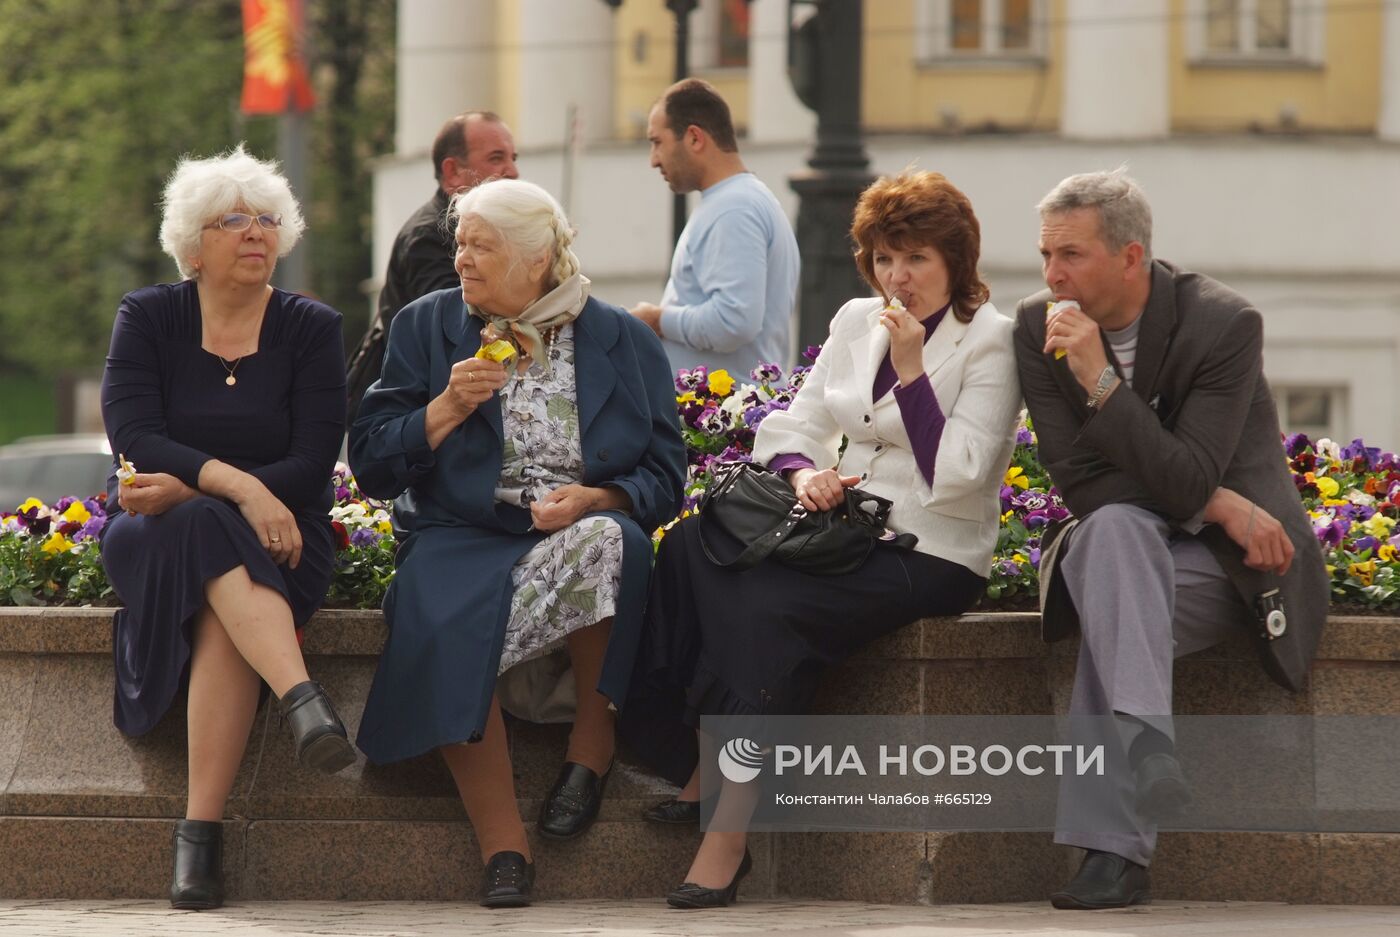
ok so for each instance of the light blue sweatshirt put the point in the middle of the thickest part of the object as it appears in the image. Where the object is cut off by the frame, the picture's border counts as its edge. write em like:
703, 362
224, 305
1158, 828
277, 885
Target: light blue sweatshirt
733, 288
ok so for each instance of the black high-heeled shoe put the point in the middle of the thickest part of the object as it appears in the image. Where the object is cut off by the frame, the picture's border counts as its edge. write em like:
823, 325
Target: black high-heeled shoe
320, 736
197, 883
691, 895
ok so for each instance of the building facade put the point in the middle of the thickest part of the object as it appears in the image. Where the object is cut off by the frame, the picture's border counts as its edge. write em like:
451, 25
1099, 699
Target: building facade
1265, 132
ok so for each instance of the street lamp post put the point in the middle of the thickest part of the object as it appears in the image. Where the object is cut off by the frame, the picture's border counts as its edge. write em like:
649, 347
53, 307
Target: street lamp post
682, 9
824, 62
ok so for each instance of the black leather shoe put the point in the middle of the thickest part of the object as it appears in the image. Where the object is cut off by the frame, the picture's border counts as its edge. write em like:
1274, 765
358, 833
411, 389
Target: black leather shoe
572, 804
197, 883
1162, 791
320, 736
674, 812
690, 895
1105, 880
508, 881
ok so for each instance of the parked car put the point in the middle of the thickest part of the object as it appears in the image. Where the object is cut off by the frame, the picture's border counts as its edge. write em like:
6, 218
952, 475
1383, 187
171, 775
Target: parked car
50, 467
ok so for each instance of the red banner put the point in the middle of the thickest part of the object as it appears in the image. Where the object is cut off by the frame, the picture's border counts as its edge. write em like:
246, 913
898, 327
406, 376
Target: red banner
274, 71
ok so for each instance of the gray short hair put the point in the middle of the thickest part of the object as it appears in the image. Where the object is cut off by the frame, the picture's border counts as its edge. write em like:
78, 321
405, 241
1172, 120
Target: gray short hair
527, 218
1124, 214
200, 190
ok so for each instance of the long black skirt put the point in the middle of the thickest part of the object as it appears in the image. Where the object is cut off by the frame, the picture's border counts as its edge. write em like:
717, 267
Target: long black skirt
158, 566
719, 642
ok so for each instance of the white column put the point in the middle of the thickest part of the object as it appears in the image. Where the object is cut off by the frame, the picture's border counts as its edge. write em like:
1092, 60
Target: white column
775, 114
446, 65
1117, 81
1388, 127
566, 57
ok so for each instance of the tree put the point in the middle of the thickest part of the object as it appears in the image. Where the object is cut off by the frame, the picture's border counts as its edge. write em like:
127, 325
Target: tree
99, 98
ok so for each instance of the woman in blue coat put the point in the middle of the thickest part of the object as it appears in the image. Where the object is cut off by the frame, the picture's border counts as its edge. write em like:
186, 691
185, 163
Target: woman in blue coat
528, 490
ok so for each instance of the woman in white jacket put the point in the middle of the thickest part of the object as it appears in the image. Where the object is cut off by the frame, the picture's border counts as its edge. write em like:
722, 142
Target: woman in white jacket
921, 382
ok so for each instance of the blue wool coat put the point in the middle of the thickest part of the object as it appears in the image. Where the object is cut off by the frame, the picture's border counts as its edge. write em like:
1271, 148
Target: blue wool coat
449, 603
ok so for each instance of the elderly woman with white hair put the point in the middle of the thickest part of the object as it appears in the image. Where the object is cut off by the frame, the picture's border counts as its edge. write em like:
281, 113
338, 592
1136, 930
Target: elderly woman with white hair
528, 490
227, 398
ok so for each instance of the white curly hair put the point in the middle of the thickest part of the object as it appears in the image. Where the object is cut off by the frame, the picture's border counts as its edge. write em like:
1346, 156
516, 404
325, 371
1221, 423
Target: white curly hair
200, 190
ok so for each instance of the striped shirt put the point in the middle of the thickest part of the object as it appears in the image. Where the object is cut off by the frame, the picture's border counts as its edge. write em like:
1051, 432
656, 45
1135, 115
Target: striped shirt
1124, 344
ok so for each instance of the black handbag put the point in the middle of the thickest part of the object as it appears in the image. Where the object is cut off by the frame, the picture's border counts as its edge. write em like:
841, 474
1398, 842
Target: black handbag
758, 509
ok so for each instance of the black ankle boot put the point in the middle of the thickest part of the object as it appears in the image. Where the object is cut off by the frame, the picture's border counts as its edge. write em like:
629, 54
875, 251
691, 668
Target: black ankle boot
320, 736
198, 880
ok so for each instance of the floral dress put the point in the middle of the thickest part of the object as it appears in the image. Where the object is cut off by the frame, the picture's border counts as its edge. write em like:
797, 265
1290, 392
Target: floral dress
570, 579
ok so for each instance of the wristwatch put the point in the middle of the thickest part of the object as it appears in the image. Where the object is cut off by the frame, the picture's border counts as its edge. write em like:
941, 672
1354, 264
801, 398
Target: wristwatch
1102, 388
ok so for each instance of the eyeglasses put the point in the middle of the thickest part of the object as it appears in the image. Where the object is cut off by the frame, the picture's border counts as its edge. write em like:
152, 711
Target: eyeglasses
241, 221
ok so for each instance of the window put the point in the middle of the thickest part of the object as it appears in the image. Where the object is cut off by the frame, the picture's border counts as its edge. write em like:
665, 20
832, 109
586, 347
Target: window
1233, 31
1316, 411
954, 29
719, 34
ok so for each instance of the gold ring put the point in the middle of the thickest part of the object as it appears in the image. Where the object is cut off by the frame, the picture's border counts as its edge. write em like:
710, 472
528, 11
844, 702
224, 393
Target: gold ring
275, 539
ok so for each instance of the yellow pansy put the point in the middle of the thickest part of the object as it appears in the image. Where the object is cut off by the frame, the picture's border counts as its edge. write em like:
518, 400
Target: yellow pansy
77, 513
1386, 553
1378, 526
1362, 571
687, 397
57, 544
1006, 517
1327, 487
31, 503
721, 383
385, 528
1016, 477
1335, 502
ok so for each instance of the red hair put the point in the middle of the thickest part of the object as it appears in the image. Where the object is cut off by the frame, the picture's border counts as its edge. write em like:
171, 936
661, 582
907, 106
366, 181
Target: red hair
922, 209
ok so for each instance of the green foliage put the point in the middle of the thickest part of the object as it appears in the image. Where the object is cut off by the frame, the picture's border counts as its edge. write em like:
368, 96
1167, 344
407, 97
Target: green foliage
28, 408
100, 98
32, 575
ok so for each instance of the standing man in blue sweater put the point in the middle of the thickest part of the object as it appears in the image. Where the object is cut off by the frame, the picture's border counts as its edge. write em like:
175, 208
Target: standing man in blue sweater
729, 301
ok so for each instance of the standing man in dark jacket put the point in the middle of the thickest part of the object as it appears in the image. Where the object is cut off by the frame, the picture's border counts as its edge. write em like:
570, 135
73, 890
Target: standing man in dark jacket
1145, 386
469, 149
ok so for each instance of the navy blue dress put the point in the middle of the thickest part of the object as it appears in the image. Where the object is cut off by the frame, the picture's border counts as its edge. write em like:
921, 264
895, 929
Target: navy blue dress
166, 405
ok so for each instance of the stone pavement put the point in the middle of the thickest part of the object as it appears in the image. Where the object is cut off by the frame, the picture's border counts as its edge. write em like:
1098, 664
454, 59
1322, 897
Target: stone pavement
640, 918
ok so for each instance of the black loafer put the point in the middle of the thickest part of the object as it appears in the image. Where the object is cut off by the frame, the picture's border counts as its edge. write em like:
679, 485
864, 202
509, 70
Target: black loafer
508, 881
197, 883
1162, 791
674, 812
1105, 880
572, 804
690, 895
321, 741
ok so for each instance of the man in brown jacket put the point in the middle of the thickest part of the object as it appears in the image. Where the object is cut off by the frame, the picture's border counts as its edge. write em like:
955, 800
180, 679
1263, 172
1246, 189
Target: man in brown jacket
1145, 387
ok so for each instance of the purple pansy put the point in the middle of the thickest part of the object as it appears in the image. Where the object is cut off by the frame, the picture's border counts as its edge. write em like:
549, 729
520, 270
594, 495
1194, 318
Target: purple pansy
364, 537
767, 373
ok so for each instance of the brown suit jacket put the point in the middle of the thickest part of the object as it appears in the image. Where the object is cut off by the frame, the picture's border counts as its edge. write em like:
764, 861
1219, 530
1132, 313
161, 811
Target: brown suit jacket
1198, 416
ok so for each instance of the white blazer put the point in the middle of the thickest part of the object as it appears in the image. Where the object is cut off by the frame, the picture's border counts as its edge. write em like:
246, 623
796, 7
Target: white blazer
972, 367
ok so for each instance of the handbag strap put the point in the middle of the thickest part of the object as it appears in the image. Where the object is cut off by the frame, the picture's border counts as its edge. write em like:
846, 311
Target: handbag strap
762, 547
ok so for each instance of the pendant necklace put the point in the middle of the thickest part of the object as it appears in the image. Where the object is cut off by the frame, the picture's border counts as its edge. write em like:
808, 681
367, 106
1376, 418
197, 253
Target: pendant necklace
230, 380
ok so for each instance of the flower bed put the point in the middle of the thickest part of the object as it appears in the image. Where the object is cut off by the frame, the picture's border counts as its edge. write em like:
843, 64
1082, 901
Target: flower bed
49, 553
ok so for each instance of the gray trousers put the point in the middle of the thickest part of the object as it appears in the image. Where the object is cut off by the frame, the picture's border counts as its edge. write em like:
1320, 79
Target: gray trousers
1145, 596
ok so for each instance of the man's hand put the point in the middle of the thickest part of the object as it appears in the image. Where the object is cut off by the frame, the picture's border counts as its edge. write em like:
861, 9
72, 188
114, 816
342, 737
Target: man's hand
650, 313
1068, 328
153, 493
1264, 541
820, 490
